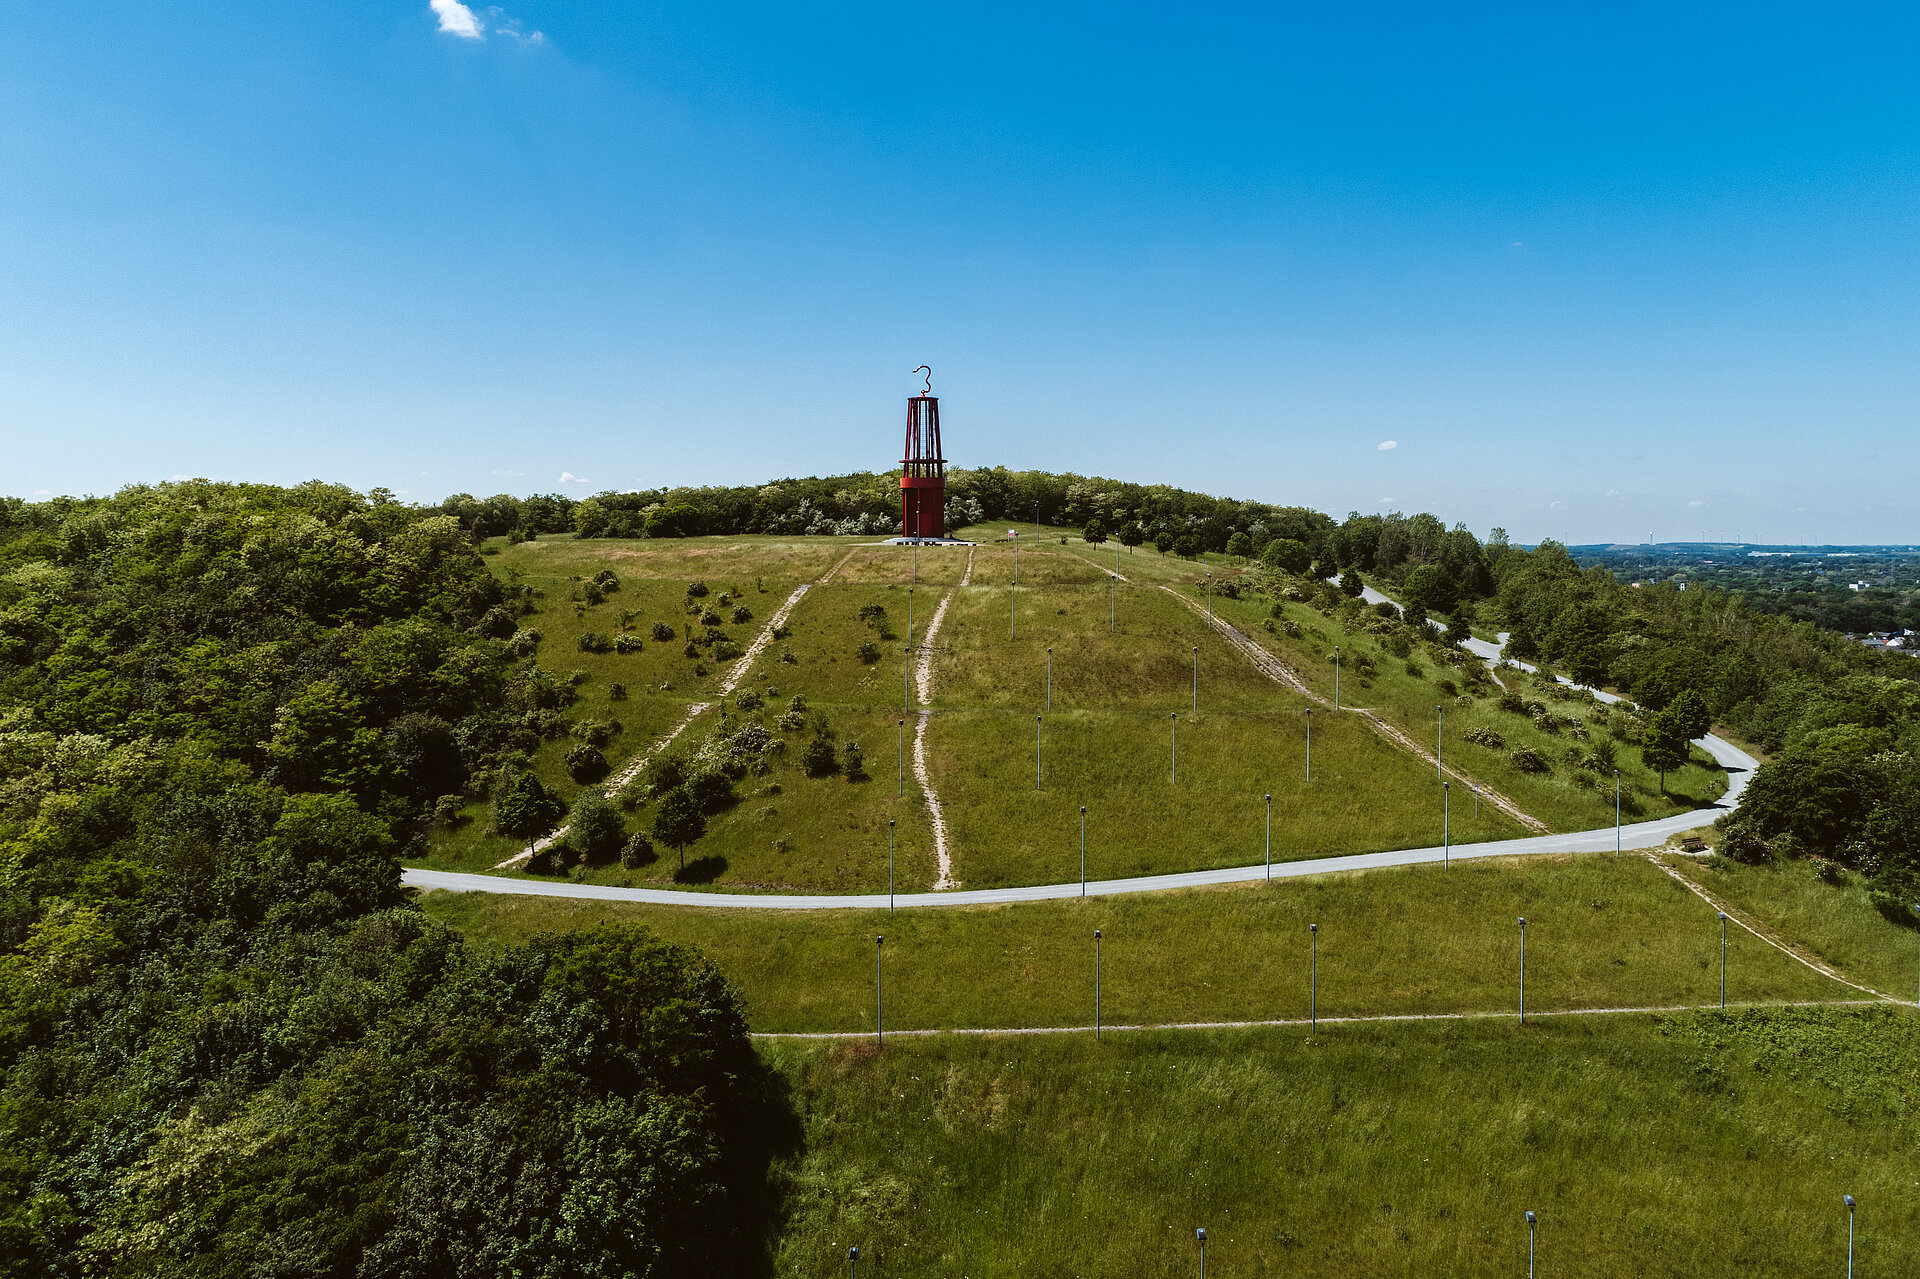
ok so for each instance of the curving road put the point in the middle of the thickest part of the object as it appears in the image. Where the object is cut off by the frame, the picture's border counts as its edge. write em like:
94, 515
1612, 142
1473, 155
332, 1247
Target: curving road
1738, 763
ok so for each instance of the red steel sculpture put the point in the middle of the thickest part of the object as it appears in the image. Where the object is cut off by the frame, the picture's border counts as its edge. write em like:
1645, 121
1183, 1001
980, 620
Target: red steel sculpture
923, 472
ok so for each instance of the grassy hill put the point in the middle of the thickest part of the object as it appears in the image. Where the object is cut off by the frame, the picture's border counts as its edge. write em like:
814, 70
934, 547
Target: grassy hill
1124, 657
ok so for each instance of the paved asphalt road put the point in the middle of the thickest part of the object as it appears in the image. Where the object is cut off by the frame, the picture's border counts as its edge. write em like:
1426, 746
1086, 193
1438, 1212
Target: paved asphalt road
1738, 763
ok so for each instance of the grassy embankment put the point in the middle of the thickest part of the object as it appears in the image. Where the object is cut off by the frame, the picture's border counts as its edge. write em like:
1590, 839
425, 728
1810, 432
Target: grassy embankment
1701, 1144
1602, 932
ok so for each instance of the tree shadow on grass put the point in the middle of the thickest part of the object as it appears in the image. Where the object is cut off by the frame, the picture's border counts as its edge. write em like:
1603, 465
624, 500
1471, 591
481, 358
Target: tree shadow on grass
701, 870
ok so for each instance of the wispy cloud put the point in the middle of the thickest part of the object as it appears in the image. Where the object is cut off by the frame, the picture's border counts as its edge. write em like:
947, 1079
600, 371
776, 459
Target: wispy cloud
457, 20
1696, 502
568, 477
1387, 501
1387, 446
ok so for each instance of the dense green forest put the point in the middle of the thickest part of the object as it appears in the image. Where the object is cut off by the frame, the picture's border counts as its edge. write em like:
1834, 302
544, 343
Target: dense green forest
230, 1046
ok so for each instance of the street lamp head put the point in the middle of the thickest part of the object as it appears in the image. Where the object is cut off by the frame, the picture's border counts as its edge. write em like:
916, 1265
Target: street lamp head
1313, 928
878, 938
1523, 921
1723, 914
1849, 1199
1096, 934
889, 823
853, 1254
1269, 799
1530, 1217
1201, 1234
1083, 810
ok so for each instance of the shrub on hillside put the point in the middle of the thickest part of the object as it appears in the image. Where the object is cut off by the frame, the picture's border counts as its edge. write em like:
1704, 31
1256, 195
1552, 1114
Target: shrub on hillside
585, 763
868, 652
1528, 760
1486, 737
595, 642
817, 758
663, 632
627, 642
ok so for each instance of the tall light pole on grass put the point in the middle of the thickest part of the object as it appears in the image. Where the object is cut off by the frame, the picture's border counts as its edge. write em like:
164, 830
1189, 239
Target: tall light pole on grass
1723, 959
1446, 824
1533, 1224
1083, 850
901, 765
1096, 985
1313, 979
853, 1259
1201, 1235
1523, 970
889, 865
1440, 744
1849, 1199
909, 617
1113, 604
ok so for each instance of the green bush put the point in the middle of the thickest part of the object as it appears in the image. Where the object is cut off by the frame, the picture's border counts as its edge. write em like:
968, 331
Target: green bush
595, 642
585, 763
817, 758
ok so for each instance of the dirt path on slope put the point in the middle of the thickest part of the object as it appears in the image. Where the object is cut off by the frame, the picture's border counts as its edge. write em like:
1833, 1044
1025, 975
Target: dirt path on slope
1278, 671
923, 687
1790, 951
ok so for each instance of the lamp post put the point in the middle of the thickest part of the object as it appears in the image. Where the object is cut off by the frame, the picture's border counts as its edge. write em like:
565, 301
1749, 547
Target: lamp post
1533, 1224
1313, 979
1036, 752
1113, 604
1015, 534
1849, 1199
1096, 985
1173, 772
1723, 959
1083, 850
889, 865
1309, 744
901, 762
1616, 810
1201, 1235
853, 1258
1269, 836
879, 993
1036, 519
1523, 970
1440, 744
1446, 824
909, 616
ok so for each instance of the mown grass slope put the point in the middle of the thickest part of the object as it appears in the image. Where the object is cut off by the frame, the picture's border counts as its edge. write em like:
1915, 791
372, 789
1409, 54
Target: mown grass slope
1691, 1145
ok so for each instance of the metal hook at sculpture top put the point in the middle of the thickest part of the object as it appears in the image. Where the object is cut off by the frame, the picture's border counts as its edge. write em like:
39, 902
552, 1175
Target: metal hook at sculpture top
929, 378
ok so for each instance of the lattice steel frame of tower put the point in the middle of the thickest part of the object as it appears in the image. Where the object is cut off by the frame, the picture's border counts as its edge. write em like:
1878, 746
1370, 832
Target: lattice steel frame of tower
923, 472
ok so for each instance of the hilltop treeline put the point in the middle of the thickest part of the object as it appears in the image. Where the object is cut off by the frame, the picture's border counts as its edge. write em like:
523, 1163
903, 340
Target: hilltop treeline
229, 1044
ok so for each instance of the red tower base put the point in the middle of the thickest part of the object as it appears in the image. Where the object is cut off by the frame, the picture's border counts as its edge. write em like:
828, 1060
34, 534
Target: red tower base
923, 508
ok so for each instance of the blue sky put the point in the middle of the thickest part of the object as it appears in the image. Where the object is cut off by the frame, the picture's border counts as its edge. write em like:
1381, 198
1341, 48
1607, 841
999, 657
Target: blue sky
1594, 272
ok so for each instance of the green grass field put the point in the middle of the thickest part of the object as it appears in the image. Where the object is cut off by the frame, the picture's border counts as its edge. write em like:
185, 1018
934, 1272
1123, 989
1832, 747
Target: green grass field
1602, 932
1691, 1145
1831, 917
1123, 662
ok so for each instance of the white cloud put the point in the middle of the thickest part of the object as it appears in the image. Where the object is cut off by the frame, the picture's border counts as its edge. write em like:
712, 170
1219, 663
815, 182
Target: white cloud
43, 492
1553, 506
1696, 502
1387, 501
568, 477
1387, 445
457, 20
